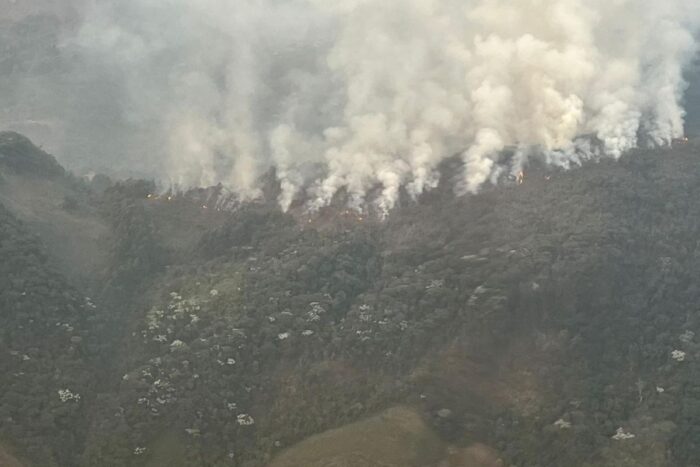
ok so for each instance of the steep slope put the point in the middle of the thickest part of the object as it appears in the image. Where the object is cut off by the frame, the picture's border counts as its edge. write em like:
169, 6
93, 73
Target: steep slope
526, 313
46, 352
548, 323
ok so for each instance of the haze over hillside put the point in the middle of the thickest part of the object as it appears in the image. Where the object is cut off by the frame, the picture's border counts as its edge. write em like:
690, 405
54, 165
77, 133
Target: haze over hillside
383, 233
551, 322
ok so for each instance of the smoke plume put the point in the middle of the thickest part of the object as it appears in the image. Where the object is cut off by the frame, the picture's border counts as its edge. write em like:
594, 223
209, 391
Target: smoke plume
361, 95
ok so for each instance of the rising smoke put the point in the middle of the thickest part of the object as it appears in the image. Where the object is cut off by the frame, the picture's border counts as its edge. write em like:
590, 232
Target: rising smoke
359, 95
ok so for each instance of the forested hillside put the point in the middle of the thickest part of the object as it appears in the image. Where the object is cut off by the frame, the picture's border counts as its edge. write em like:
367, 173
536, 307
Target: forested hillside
548, 323
48, 343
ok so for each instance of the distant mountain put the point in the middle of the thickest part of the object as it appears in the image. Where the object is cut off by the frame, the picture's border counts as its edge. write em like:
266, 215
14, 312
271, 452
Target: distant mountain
692, 101
19, 154
67, 11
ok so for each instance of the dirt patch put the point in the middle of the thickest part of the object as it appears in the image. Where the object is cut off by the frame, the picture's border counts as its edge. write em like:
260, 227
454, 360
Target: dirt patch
7, 460
397, 437
477, 455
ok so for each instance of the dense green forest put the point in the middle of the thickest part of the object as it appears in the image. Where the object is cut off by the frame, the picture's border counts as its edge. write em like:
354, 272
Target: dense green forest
47, 348
554, 321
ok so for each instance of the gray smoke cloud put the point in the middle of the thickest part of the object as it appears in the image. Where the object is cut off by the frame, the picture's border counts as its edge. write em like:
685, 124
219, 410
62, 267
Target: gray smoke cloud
360, 95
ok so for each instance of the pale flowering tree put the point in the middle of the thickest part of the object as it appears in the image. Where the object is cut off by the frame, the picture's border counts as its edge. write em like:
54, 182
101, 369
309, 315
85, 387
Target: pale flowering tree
245, 420
562, 424
678, 355
66, 395
621, 435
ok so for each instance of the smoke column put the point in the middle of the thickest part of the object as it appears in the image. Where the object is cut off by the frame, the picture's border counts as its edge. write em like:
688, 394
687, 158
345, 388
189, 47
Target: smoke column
360, 95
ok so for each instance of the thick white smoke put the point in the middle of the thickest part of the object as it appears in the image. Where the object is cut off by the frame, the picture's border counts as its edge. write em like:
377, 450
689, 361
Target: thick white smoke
361, 95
